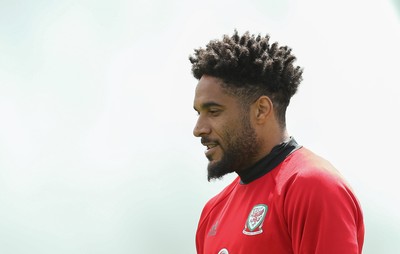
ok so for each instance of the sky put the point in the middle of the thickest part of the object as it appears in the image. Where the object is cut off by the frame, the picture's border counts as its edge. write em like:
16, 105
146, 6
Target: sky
96, 106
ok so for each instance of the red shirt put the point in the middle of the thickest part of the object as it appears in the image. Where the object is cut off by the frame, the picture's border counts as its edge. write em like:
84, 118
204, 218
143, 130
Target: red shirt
302, 205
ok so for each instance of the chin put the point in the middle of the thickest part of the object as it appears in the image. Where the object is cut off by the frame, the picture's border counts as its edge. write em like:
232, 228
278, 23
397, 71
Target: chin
217, 169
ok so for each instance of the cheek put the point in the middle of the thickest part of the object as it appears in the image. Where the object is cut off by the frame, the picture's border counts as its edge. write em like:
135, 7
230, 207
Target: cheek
228, 133
227, 130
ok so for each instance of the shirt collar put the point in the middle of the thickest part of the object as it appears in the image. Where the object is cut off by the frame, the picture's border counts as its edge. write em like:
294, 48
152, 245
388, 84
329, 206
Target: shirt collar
269, 162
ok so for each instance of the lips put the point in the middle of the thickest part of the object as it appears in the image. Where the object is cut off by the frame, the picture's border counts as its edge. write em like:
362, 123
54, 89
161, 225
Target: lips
210, 151
210, 145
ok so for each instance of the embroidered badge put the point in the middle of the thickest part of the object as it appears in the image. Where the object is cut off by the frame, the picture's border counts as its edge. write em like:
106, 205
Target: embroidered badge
254, 222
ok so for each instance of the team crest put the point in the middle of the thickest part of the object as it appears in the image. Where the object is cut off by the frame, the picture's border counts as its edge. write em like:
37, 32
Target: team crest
255, 220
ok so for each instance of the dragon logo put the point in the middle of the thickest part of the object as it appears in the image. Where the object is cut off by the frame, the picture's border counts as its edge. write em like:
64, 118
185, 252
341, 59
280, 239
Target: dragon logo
255, 220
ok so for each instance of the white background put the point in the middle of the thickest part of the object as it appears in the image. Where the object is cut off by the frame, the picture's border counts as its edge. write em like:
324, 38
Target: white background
96, 146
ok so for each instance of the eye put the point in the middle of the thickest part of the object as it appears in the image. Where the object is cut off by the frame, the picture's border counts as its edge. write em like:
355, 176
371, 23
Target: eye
214, 112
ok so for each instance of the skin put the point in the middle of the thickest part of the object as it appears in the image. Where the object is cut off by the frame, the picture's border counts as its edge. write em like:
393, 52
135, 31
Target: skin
235, 138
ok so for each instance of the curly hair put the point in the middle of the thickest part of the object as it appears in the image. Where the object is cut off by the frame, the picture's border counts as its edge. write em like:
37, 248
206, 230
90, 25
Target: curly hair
250, 67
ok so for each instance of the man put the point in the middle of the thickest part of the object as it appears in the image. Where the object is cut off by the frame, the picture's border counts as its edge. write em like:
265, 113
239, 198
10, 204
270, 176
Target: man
285, 199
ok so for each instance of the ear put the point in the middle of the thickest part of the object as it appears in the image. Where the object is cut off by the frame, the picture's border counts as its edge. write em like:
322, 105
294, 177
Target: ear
263, 109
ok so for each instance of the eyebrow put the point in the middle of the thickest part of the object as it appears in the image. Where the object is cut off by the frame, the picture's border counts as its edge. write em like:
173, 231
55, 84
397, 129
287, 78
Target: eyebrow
207, 105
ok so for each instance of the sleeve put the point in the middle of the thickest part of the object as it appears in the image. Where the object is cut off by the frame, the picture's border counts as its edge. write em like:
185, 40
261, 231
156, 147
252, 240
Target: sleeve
323, 215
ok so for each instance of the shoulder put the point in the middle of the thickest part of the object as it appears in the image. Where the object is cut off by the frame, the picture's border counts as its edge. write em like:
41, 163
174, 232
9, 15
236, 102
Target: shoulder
313, 181
305, 167
320, 209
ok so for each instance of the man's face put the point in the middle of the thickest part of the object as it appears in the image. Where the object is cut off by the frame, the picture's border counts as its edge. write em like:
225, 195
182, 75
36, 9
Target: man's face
224, 127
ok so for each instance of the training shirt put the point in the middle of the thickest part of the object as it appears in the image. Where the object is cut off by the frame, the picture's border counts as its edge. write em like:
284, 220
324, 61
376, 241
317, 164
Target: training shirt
291, 201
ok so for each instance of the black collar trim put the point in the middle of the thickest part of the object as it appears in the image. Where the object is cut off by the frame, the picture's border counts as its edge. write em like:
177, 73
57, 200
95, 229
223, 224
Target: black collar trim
269, 162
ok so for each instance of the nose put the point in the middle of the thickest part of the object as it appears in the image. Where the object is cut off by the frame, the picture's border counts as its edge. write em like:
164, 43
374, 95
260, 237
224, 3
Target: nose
201, 128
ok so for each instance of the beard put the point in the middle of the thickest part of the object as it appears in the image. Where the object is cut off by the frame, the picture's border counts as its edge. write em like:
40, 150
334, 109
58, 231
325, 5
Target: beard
240, 151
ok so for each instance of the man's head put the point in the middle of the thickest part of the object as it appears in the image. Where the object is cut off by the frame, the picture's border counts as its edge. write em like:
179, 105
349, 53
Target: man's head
244, 82
251, 67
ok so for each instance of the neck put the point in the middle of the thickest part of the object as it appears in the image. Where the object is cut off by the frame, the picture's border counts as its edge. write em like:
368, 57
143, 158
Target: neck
269, 161
272, 140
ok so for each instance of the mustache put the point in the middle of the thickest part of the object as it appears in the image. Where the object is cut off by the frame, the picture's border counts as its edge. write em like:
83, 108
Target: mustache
205, 140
